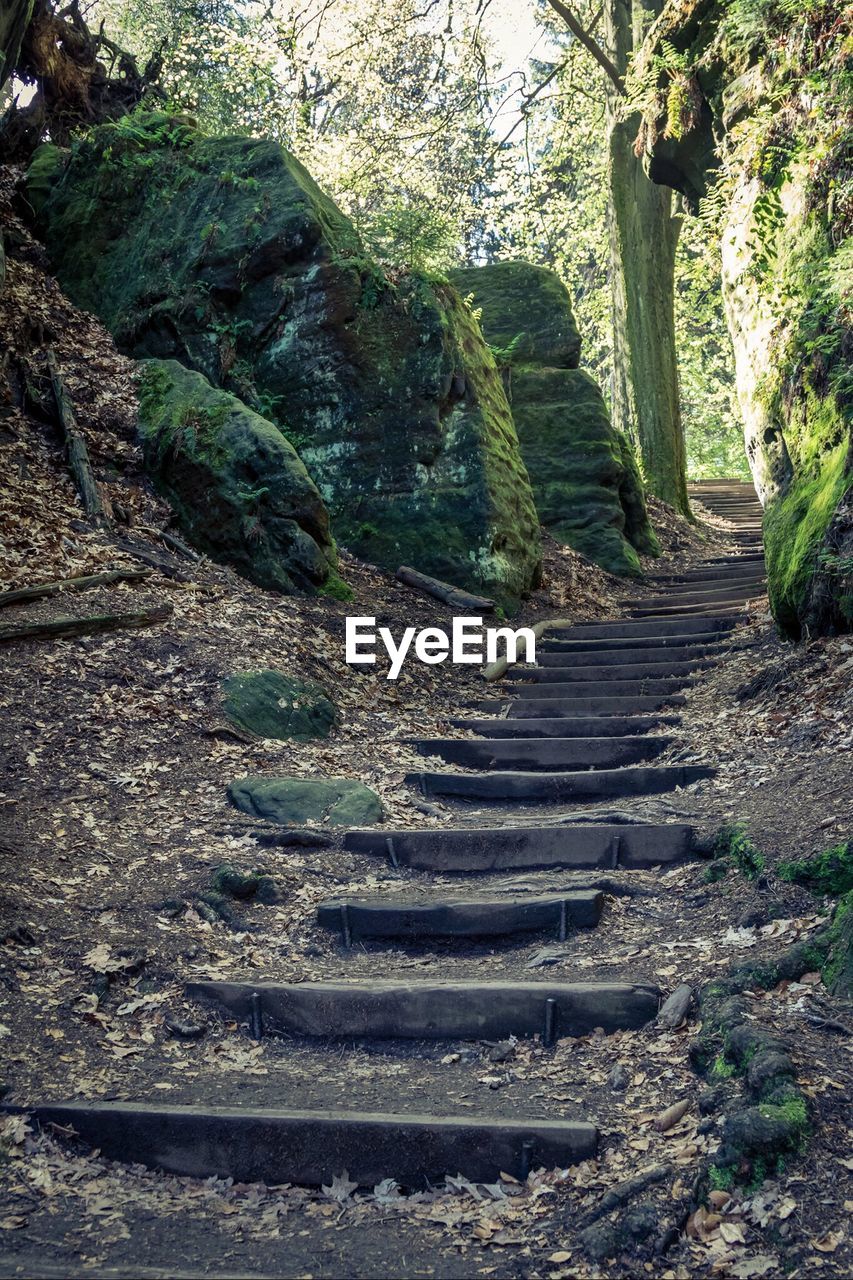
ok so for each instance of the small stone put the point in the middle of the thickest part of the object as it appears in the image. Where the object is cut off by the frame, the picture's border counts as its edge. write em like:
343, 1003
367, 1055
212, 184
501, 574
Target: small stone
502, 1052
619, 1078
184, 1030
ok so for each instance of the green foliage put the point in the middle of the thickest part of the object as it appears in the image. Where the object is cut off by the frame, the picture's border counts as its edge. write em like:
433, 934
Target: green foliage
503, 355
732, 843
418, 237
721, 1179
830, 874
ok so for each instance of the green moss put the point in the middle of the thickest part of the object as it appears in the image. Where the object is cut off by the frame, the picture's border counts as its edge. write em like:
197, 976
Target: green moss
830, 874
720, 1179
792, 1114
838, 962
795, 528
721, 1069
718, 870
335, 587
734, 845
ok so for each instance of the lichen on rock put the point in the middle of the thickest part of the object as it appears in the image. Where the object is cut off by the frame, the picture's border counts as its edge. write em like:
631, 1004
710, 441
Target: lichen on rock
337, 801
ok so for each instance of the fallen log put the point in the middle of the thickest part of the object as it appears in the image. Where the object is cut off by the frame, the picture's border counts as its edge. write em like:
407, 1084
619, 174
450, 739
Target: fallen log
23, 595
60, 627
78, 455
443, 591
164, 564
495, 670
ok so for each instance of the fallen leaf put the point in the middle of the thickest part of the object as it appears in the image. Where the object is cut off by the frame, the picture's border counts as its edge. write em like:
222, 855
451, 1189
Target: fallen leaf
341, 1188
667, 1119
828, 1242
758, 1265
562, 1255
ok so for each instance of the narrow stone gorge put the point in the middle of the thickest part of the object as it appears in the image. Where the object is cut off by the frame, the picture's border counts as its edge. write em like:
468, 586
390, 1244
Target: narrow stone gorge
733, 127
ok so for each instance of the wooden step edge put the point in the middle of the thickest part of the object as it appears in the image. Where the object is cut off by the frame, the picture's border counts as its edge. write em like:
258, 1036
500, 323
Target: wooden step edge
473, 918
309, 1148
424, 1010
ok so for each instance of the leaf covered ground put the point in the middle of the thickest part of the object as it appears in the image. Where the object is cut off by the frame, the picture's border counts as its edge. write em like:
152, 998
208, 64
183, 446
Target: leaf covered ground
116, 757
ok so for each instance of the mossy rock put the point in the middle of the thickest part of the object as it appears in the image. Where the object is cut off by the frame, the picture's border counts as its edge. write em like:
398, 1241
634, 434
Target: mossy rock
224, 254
526, 312
808, 539
575, 460
585, 478
294, 801
272, 705
245, 885
236, 485
838, 970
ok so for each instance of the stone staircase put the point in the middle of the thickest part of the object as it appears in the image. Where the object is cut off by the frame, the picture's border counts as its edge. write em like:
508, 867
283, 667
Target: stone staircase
589, 722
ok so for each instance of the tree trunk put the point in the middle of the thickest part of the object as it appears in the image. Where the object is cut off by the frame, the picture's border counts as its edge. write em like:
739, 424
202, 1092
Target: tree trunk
643, 239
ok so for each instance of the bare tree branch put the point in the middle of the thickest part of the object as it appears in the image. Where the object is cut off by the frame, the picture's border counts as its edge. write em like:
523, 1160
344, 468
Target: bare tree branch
592, 46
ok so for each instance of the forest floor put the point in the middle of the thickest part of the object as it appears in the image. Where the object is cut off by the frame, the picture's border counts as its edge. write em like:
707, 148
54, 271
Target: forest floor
115, 758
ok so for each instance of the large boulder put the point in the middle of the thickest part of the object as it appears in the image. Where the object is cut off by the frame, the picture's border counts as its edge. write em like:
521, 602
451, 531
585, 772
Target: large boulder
224, 254
577, 466
526, 312
273, 705
237, 486
585, 478
339, 802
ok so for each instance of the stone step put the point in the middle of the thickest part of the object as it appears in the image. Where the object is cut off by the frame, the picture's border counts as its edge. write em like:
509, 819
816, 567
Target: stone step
579, 673
310, 1148
587, 784
543, 685
581, 846
646, 646
543, 753
662, 656
475, 917
534, 708
389, 1010
684, 611
754, 569
565, 726
721, 592
723, 620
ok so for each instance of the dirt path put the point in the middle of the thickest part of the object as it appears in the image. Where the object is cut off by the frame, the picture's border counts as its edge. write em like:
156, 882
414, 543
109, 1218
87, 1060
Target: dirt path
525, 875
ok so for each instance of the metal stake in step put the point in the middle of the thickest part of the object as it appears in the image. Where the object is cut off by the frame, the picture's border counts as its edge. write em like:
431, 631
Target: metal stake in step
564, 920
549, 1031
526, 1162
392, 855
346, 931
615, 849
256, 1017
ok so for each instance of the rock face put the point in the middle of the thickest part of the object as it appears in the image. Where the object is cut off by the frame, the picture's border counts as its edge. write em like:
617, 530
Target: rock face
273, 705
525, 311
784, 204
585, 479
225, 255
14, 19
235, 483
338, 801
